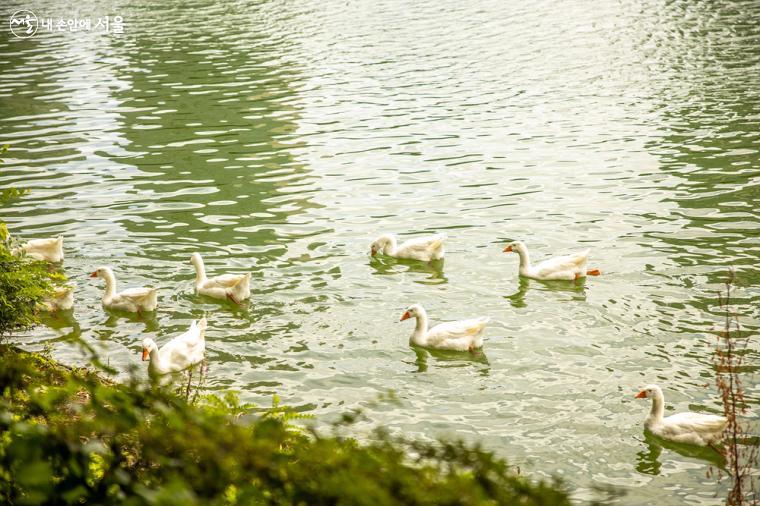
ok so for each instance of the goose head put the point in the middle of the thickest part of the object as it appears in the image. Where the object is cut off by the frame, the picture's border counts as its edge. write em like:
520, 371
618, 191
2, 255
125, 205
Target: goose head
380, 244
412, 312
650, 392
105, 273
148, 346
100, 272
516, 247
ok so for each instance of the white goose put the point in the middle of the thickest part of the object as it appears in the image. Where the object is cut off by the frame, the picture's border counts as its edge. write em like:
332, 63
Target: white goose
567, 267
693, 428
62, 299
422, 248
464, 335
47, 250
182, 352
236, 287
134, 300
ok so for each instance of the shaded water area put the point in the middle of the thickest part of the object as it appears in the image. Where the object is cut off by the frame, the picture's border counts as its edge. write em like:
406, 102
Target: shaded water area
283, 137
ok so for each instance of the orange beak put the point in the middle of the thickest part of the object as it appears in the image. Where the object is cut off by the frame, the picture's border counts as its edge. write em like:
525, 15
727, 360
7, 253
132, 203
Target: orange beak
374, 252
642, 395
146, 354
405, 316
508, 249
94, 274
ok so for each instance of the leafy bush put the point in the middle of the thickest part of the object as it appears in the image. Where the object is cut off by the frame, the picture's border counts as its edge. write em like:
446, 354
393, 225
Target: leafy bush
71, 437
24, 284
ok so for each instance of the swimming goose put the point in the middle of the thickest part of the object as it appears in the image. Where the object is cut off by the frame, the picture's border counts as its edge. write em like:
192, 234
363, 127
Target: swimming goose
236, 287
693, 428
133, 300
567, 267
180, 353
464, 335
422, 248
46, 250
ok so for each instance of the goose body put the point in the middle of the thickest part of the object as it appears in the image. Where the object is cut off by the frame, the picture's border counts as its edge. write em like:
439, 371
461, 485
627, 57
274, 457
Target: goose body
46, 250
566, 267
692, 428
463, 335
62, 299
421, 248
236, 287
182, 352
133, 300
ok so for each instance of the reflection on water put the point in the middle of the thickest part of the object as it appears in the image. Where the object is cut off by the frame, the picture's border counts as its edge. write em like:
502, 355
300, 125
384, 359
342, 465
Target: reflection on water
64, 322
148, 319
389, 266
450, 359
281, 137
575, 290
650, 459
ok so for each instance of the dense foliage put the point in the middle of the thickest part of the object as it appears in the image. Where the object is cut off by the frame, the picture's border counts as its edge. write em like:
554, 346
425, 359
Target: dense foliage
71, 437
24, 283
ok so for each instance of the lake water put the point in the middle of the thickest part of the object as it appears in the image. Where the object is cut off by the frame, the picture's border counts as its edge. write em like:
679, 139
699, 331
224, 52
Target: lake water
282, 137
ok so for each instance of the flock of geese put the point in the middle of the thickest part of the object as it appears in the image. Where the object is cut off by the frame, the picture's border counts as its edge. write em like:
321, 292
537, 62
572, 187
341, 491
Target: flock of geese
188, 349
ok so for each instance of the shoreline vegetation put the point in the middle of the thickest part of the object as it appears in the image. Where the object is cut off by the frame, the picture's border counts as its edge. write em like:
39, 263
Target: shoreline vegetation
70, 436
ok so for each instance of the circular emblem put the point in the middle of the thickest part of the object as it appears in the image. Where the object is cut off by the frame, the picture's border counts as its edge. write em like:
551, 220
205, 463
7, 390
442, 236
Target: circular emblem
23, 24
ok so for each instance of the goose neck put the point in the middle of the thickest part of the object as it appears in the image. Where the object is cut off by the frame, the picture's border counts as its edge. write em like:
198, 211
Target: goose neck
110, 280
200, 270
524, 258
420, 327
156, 363
657, 411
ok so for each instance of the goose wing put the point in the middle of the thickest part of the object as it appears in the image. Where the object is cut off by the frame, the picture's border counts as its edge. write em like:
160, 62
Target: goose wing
42, 243
421, 245
192, 338
224, 281
50, 250
185, 349
572, 262
62, 291
136, 294
695, 422
456, 330
176, 354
